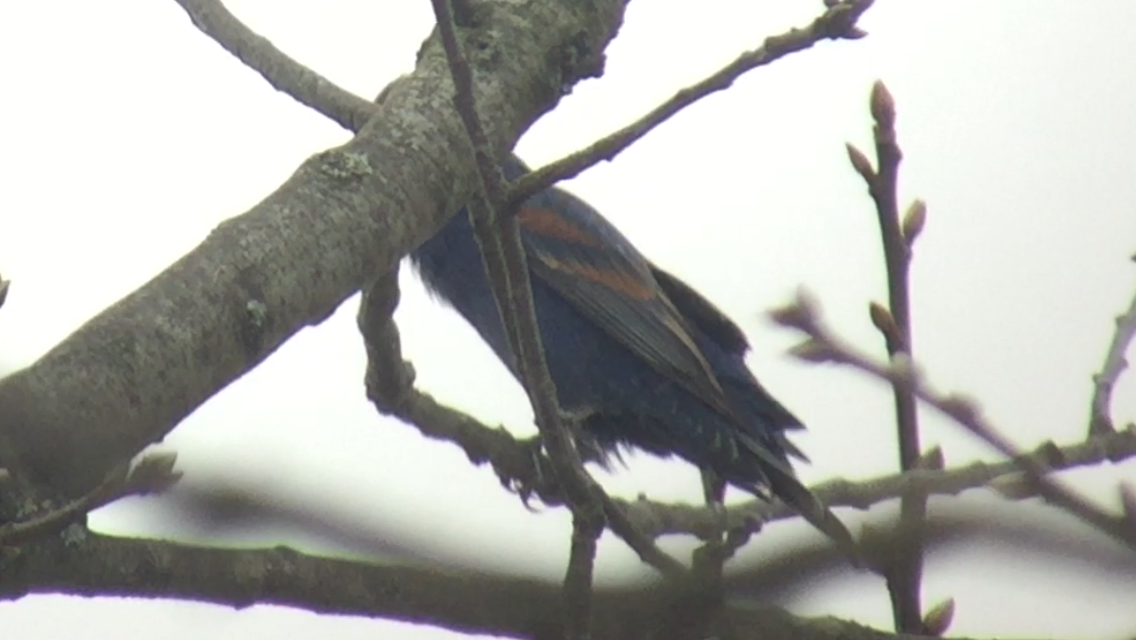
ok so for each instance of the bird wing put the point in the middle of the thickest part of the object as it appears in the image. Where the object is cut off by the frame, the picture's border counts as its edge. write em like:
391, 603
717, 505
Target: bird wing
702, 313
587, 261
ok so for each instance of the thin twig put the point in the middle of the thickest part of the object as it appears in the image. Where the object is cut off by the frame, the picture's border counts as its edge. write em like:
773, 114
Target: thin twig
1100, 417
657, 519
578, 577
823, 345
389, 379
282, 72
352, 112
838, 22
390, 386
884, 187
505, 265
903, 569
15, 533
229, 502
389, 383
639, 542
153, 473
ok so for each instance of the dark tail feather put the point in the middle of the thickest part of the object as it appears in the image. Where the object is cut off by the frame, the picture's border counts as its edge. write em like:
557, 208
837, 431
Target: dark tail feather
785, 486
713, 487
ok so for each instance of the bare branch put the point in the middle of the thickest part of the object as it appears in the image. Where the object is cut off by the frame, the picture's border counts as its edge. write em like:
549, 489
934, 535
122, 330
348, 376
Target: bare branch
805, 316
129, 375
838, 22
282, 72
516, 462
950, 526
657, 519
579, 576
400, 376
505, 266
507, 270
643, 544
1100, 418
462, 601
385, 382
390, 387
903, 568
154, 473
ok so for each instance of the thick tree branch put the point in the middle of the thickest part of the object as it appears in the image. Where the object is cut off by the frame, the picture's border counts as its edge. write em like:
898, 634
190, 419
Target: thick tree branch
127, 377
467, 602
235, 504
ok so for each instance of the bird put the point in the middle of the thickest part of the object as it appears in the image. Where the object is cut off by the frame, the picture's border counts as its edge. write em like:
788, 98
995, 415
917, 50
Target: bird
638, 356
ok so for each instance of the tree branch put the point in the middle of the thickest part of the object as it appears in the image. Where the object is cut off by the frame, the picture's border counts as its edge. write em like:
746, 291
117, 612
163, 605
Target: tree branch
657, 519
838, 22
903, 567
282, 72
390, 386
466, 602
152, 474
503, 259
278, 268
1100, 416
515, 462
822, 345
130, 374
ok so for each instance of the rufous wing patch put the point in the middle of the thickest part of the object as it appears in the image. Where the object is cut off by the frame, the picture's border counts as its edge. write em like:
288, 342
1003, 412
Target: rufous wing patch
547, 222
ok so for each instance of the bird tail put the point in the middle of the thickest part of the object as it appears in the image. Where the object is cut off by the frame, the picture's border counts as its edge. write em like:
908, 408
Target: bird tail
780, 480
786, 486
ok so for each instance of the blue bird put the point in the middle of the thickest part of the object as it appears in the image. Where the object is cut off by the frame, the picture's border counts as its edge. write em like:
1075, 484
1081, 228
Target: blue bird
643, 358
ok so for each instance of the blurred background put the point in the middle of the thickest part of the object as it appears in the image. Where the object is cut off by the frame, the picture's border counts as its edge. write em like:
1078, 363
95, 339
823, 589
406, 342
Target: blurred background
128, 135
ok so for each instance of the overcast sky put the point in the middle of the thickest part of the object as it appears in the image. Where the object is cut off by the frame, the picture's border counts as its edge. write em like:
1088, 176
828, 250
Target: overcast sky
127, 136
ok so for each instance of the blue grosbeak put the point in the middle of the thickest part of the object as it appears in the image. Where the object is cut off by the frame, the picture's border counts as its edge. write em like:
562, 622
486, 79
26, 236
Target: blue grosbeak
641, 357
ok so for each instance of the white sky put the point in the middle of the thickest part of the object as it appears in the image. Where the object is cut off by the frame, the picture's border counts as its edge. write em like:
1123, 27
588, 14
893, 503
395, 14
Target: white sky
127, 136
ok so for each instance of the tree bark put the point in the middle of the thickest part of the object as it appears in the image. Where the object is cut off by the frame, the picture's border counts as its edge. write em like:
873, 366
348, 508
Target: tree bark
462, 601
132, 373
